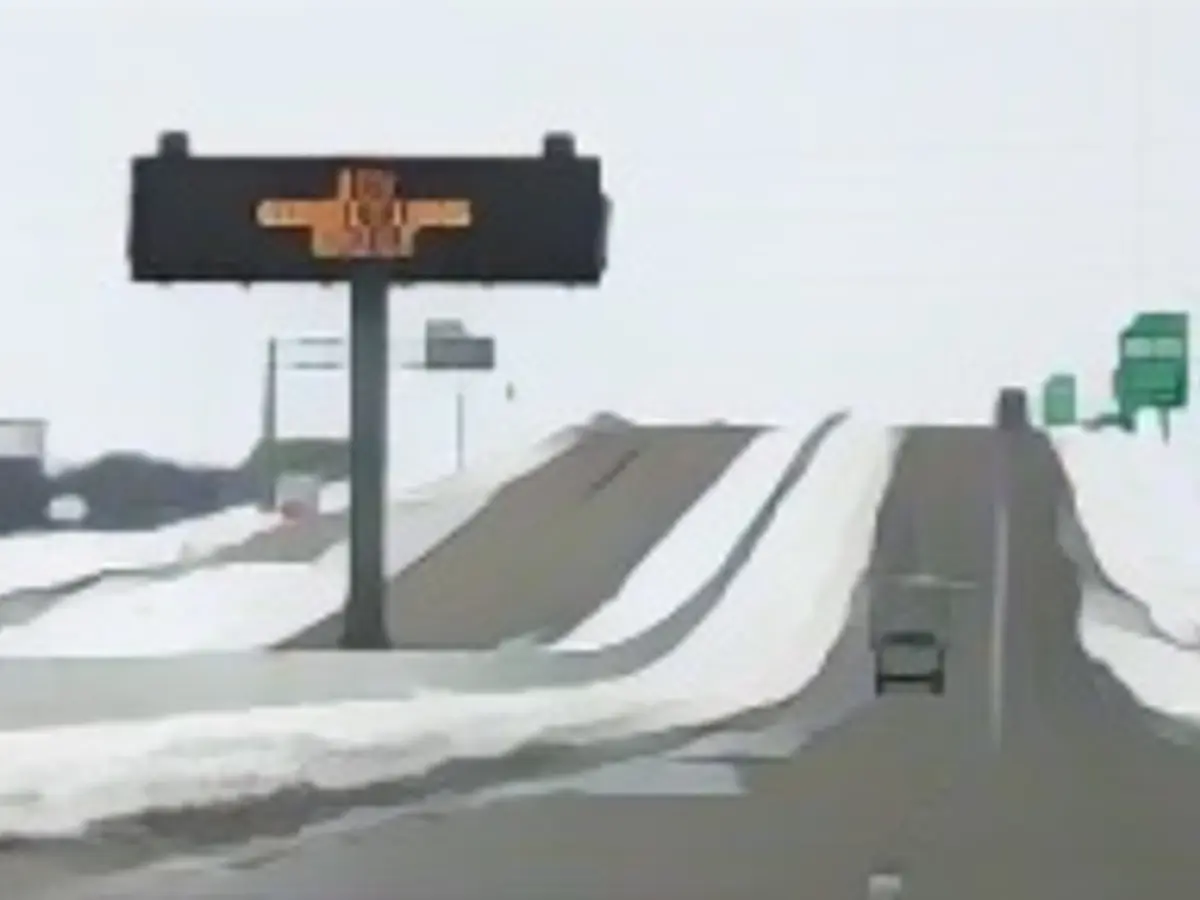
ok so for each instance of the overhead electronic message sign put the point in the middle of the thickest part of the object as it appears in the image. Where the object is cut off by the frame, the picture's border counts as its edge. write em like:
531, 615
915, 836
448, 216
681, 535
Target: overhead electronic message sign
437, 219
371, 222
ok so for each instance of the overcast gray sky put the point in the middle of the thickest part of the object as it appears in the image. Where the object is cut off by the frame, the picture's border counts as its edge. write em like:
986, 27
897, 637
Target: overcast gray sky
890, 203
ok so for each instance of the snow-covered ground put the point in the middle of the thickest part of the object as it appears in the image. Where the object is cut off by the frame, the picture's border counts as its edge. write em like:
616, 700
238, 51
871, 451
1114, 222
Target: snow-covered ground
1138, 500
47, 561
58, 779
1161, 675
251, 605
50, 560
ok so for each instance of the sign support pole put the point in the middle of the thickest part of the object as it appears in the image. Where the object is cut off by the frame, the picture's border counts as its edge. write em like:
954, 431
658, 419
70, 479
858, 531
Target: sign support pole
365, 624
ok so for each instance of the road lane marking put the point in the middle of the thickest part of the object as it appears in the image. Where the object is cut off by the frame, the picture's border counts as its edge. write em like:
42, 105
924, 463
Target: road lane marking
1000, 561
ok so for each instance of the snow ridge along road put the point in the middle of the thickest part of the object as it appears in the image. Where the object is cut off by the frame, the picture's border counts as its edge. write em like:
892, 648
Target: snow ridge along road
63, 562
1138, 502
1127, 526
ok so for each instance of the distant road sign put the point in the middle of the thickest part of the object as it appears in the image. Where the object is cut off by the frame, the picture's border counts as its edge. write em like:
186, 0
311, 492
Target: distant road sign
1060, 405
447, 219
450, 347
460, 354
1153, 363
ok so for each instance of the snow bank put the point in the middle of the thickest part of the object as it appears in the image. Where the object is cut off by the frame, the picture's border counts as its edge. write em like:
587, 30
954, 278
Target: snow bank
58, 560
248, 606
767, 639
669, 575
40, 561
1162, 676
1138, 500
45, 561
182, 615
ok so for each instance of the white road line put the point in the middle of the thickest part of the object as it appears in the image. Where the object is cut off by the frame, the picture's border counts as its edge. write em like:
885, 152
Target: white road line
999, 609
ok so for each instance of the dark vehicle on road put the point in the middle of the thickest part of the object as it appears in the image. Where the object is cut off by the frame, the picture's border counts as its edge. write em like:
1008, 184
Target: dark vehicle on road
910, 631
1012, 409
910, 657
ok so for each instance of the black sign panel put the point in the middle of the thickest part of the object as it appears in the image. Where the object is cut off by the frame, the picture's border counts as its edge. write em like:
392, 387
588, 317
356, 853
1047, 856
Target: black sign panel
484, 219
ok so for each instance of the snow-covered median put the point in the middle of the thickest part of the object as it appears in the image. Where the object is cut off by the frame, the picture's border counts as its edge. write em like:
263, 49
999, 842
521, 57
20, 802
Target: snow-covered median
668, 575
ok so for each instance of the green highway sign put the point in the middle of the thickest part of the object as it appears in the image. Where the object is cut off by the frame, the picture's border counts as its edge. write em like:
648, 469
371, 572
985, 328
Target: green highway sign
1152, 366
1060, 404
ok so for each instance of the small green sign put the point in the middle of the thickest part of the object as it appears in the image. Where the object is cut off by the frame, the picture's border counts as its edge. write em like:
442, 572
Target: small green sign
1060, 405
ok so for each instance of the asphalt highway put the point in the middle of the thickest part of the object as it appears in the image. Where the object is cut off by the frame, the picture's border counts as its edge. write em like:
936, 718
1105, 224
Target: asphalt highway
552, 546
1075, 797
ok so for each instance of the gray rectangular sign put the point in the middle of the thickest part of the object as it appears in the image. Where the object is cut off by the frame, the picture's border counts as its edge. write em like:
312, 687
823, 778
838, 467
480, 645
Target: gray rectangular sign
460, 354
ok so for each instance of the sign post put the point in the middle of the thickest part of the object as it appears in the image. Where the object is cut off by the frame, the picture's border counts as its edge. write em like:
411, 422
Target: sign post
370, 221
449, 347
363, 628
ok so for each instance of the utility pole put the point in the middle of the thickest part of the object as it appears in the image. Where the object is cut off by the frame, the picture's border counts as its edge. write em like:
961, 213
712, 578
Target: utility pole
450, 347
276, 363
269, 471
